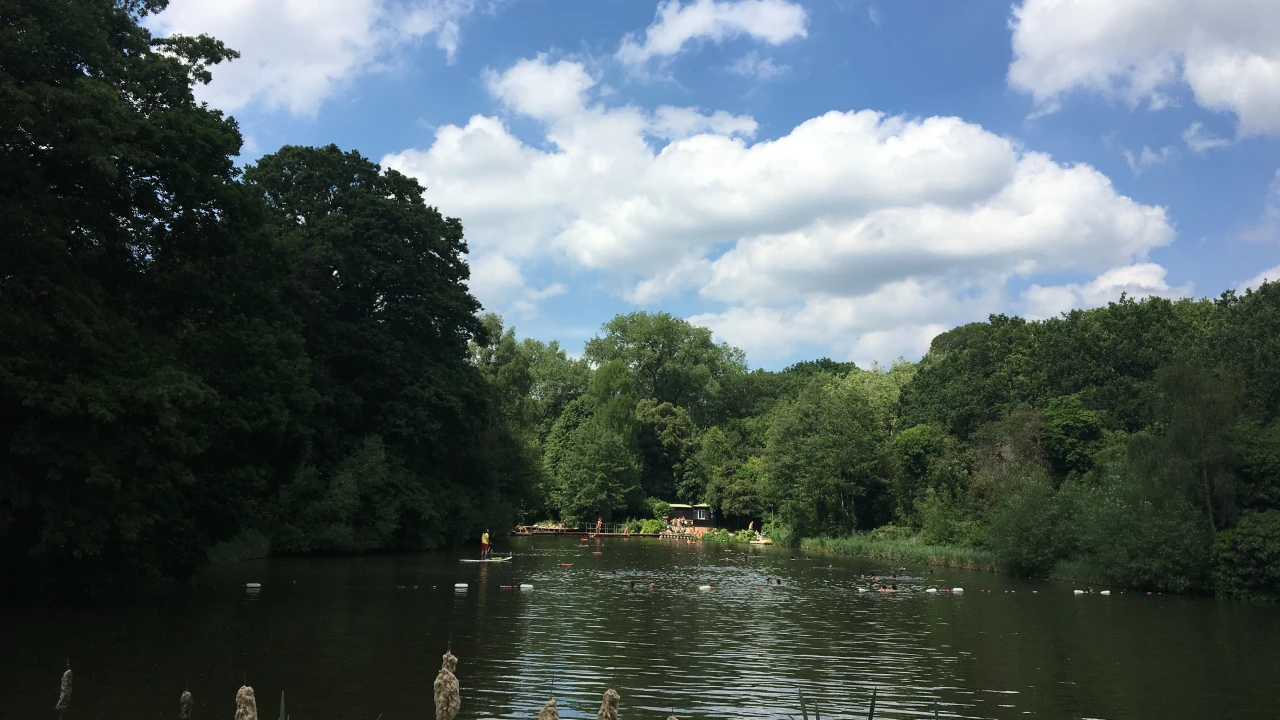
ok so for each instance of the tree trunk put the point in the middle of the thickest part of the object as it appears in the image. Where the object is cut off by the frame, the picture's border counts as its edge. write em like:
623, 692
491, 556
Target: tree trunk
1208, 502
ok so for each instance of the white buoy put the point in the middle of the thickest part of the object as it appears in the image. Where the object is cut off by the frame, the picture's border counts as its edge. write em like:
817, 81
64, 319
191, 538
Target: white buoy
704, 587
957, 590
253, 586
526, 586
932, 590
1078, 592
1105, 592
460, 586
862, 590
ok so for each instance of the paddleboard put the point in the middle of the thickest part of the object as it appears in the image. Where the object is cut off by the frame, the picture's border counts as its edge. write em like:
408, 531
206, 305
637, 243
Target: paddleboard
501, 559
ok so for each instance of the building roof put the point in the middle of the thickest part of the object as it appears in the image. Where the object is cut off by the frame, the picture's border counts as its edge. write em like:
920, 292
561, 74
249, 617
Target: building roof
685, 507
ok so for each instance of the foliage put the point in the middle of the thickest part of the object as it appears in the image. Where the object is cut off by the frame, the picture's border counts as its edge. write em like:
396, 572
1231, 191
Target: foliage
1138, 530
944, 521
202, 358
652, 526
1246, 558
672, 361
905, 552
1030, 530
595, 471
658, 509
822, 456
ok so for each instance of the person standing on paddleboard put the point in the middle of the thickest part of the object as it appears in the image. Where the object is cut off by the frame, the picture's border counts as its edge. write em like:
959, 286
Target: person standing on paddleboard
484, 545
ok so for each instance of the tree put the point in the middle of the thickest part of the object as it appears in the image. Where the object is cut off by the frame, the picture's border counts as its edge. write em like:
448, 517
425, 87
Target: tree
665, 439
557, 381
822, 455
379, 281
670, 359
592, 468
1196, 413
150, 378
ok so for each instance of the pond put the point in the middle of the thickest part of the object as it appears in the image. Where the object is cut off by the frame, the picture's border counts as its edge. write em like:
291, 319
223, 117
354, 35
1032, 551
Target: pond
341, 639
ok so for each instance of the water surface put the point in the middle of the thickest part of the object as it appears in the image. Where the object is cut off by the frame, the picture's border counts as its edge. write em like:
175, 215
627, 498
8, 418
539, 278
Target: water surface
342, 641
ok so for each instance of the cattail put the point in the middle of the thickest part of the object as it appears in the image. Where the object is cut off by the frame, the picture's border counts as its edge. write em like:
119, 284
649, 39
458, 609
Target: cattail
64, 694
447, 698
184, 706
608, 707
246, 706
549, 711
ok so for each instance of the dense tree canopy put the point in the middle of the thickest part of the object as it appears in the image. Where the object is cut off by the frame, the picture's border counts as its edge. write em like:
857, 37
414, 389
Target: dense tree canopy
197, 358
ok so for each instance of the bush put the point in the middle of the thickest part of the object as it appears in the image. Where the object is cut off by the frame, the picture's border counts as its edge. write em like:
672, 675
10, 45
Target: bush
1246, 558
633, 526
781, 533
1140, 530
1028, 532
658, 509
652, 526
247, 545
944, 521
716, 535
891, 532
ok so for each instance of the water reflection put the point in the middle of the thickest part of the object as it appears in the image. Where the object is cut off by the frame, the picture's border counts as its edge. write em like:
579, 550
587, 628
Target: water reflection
352, 638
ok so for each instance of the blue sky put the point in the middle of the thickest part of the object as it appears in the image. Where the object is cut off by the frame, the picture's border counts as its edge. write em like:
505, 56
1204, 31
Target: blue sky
840, 178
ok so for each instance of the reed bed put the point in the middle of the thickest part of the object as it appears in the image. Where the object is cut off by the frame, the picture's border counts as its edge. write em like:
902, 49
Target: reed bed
906, 551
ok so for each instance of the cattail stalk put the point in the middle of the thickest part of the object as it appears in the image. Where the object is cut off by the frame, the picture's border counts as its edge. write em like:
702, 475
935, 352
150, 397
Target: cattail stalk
448, 699
64, 693
609, 706
549, 711
246, 705
184, 706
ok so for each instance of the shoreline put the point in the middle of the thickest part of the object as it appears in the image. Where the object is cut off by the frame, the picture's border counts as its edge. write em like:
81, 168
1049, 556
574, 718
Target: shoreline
953, 556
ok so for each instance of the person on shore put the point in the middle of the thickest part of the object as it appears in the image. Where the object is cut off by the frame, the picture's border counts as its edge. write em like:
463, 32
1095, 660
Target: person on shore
484, 545
599, 525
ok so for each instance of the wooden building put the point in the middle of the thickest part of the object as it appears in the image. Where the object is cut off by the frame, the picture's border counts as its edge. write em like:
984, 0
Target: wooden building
697, 516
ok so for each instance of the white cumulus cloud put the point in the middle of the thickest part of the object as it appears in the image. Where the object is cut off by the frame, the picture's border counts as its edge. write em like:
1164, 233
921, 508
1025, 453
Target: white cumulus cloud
1255, 282
297, 53
1226, 51
860, 232
1137, 281
1148, 158
676, 24
753, 66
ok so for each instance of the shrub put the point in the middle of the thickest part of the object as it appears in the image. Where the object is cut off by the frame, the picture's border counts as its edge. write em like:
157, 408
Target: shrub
1246, 558
1028, 533
891, 532
246, 545
651, 526
781, 533
716, 535
1140, 530
658, 509
944, 521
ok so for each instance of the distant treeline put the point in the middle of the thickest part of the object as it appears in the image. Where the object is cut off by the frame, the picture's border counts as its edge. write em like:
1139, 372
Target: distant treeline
194, 355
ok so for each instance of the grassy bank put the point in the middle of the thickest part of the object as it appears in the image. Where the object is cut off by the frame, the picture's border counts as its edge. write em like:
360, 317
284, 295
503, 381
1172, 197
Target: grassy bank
914, 552
248, 545
905, 551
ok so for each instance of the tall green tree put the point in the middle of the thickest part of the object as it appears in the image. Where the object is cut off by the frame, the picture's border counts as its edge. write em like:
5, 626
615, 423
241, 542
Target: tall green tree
671, 360
823, 457
379, 282
150, 378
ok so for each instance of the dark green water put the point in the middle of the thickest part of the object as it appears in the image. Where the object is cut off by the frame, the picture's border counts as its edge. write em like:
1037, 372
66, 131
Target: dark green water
342, 642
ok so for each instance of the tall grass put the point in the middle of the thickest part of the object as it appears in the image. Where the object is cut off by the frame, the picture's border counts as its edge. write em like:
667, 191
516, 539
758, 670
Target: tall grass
906, 551
248, 545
